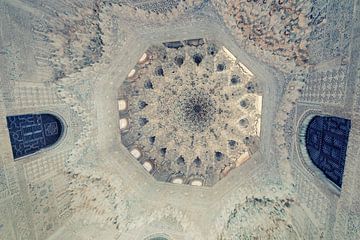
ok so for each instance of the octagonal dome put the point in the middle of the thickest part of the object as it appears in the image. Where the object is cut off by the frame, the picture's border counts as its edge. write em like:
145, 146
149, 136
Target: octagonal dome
190, 112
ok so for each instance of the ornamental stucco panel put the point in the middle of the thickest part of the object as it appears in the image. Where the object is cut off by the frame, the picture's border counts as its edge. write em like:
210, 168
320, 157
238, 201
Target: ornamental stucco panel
182, 119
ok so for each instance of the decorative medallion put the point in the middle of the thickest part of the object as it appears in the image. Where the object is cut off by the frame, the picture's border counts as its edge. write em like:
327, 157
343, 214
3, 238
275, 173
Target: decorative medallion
190, 111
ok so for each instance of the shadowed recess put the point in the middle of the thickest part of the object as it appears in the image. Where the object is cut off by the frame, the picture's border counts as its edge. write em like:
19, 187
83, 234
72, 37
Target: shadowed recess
326, 143
32, 132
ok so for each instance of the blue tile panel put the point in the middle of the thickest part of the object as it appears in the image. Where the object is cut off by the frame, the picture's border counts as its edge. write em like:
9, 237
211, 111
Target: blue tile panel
31, 132
326, 143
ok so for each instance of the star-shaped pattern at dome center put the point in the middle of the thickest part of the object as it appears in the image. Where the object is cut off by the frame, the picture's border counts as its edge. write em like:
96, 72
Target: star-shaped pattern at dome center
191, 112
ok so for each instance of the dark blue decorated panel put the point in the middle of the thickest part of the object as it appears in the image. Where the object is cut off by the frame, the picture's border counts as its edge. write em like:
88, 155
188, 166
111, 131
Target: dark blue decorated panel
326, 143
31, 132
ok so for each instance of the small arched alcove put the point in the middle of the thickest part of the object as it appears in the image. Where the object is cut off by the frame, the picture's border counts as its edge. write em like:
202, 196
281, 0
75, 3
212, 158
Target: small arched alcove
30, 133
323, 144
159, 236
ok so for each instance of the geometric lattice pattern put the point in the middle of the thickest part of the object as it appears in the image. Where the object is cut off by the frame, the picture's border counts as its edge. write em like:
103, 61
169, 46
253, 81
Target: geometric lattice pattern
40, 169
31, 132
326, 143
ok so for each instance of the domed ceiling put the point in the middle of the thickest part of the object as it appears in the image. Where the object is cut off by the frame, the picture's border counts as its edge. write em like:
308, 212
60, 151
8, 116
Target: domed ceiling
179, 119
190, 112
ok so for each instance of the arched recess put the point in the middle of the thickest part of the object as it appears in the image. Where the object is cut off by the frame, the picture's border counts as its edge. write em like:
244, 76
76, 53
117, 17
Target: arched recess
158, 236
323, 145
31, 133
